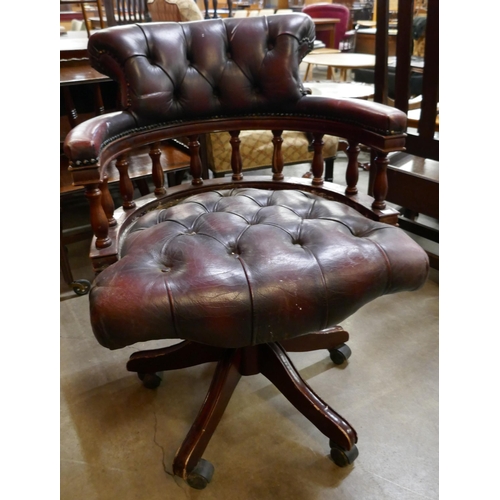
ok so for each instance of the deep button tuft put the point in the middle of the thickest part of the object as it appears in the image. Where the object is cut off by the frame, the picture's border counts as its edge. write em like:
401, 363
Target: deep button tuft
166, 270
233, 251
216, 92
229, 55
270, 45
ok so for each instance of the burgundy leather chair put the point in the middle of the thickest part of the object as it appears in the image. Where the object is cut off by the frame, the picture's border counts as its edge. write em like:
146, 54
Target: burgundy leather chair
241, 270
344, 38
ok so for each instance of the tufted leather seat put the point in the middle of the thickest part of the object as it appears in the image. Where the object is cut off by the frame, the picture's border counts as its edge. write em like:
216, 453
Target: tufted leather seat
241, 267
241, 270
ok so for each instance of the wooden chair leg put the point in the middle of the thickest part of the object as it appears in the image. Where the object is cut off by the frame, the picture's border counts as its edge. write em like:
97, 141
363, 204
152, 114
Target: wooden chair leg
329, 163
269, 359
326, 339
188, 463
278, 368
181, 355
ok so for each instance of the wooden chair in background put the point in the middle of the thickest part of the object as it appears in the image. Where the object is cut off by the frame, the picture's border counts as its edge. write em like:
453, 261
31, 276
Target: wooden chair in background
120, 12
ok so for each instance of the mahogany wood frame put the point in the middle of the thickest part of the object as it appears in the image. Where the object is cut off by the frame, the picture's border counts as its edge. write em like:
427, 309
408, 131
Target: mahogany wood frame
269, 359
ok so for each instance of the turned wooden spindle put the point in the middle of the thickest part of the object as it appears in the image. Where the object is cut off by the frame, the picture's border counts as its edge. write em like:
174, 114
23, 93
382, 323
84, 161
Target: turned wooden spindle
195, 160
317, 161
236, 162
71, 111
98, 101
156, 169
352, 172
126, 186
278, 161
380, 185
107, 202
98, 218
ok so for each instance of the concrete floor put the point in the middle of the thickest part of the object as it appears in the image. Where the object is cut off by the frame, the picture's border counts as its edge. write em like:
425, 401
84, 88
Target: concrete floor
118, 439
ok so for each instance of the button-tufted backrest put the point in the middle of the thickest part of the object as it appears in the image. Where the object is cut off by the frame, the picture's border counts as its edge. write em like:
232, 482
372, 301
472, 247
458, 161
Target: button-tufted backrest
233, 66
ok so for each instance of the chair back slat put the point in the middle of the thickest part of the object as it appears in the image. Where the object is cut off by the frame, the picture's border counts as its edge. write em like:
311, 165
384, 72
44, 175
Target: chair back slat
120, 12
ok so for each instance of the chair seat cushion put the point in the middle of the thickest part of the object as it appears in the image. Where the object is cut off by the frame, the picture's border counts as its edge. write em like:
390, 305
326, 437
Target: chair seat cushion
240, 267
256, 149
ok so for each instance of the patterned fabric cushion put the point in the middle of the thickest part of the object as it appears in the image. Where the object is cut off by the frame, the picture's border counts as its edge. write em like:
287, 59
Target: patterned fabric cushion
188, 9
256, 149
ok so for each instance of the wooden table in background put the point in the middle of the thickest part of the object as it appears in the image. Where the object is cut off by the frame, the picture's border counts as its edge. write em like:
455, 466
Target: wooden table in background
73, 45
84, 13
365, 41
341, 90
341, 60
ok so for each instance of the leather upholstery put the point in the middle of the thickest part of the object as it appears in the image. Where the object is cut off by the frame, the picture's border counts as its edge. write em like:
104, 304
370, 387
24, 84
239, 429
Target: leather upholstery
240, 267
209, 69
177, 74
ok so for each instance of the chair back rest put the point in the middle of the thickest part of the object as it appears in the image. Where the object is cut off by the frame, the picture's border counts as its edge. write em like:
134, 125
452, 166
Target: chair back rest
201, 69
119, 12
330, 10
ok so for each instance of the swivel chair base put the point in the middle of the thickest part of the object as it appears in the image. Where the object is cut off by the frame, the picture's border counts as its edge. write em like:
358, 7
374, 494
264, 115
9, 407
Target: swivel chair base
273, 362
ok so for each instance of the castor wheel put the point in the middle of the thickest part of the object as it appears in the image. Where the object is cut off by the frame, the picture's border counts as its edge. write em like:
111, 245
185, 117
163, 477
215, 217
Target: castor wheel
342, 457
81, 287
151, 380
201, 475
340, 354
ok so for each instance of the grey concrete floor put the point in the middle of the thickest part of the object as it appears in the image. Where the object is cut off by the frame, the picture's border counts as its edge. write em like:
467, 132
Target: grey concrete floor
118, 439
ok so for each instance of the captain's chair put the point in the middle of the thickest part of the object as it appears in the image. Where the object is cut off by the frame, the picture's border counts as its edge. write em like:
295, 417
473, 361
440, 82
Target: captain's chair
240, 270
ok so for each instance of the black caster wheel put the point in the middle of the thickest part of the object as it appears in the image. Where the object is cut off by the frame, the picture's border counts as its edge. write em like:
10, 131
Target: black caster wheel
81, 287
201, 475
341, 457
151, 380
340, 354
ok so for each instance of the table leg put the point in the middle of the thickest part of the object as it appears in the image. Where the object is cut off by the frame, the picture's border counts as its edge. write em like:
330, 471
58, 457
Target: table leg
332, 37
308, 74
